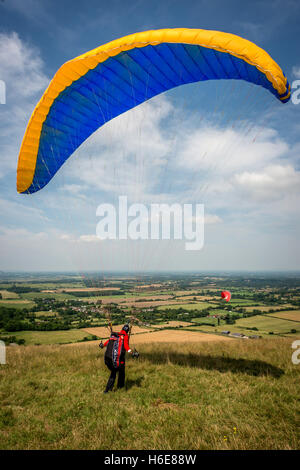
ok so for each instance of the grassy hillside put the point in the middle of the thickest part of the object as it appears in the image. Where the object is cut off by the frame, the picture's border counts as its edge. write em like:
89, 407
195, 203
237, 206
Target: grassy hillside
227, 395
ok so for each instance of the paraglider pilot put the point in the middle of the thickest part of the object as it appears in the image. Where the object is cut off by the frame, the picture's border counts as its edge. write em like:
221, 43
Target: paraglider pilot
114, 358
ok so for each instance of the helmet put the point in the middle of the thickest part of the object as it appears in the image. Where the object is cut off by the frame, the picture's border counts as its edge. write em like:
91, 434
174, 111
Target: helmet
126, 328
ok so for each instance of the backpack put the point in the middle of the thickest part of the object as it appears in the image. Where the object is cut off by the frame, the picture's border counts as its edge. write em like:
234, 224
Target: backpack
115, 349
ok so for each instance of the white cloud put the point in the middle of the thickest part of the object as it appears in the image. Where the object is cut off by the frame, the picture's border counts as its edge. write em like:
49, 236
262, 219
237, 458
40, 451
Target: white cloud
21, 212
274, 182
21, 67
21, 234
296, 71
223, 151
66, 236
210, 219
89, 238
73, 188
127, 153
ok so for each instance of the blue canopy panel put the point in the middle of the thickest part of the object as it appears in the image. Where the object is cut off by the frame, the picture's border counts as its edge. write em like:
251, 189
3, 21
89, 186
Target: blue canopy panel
121, 83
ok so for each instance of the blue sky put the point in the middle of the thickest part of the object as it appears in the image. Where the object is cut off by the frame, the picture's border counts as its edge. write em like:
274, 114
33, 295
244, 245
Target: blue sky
230, 146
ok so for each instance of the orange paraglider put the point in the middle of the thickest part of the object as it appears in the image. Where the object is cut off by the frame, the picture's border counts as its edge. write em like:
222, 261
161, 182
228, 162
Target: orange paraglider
226, 295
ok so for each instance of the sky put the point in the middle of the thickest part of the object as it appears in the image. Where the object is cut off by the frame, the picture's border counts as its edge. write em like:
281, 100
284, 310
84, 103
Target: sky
225, 144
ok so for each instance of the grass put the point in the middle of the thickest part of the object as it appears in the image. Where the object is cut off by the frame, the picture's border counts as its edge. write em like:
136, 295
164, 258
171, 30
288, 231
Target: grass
290, 315
45, 295
13, 303
45, 313
8, 295
207, 320
50, 337
264, 308
242, 302
127, 296
266, 323
52, 285
188, 398
190, 306
246, 325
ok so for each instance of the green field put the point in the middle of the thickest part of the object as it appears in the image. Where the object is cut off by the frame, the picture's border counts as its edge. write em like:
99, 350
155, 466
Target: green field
242, 302
52, 285
50, 337
292, 315
8, 295
44, 313
210, 320
208, 328
126, 296
205, 396
191, 306
266, 324
46, 295
224, 312
14, 303
45, 285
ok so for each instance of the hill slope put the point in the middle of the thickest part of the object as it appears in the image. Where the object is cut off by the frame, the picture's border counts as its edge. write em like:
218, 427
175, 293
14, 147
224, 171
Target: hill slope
226, 395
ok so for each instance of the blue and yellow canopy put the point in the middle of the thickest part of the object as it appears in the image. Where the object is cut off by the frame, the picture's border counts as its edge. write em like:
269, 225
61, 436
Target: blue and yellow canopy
97, 86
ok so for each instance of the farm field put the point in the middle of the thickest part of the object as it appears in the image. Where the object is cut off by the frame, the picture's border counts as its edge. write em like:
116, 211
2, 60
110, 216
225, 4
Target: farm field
130, 298
213, 328
266, 324
104, 332
208, 320
172, 324
44, 285
157, 303
51, 337
148, 298
243, 302
45, 313
265, 308
81, 289
292, 315
44, 295
157, 299
178, 337
17, 303
170, 336
8, 295
194, 298
187, 306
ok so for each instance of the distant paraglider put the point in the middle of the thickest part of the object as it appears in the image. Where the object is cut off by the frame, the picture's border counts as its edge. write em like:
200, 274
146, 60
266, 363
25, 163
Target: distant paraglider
226, 295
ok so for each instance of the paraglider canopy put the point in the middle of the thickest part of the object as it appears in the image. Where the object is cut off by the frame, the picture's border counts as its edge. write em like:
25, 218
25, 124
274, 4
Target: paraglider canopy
94, 88
226, 295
